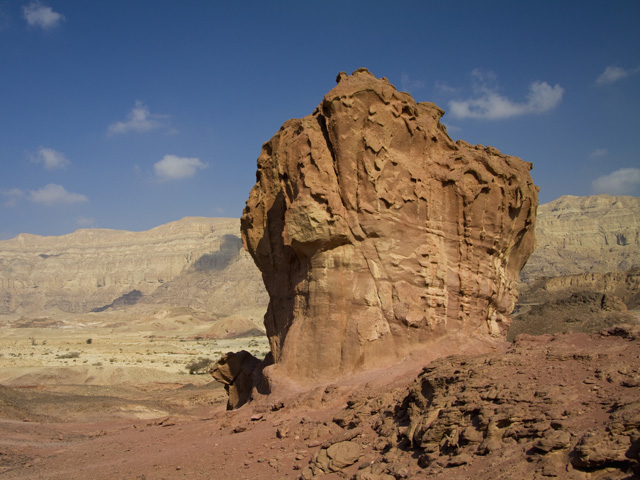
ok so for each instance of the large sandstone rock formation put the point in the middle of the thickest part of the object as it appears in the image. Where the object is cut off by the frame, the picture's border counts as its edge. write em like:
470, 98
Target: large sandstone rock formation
577, 235
376, 233
194, 262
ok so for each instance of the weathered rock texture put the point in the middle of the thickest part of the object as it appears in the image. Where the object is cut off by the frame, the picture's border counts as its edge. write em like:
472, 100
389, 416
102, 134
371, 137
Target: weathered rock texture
550, 407
577, 235
194, 262
376, 233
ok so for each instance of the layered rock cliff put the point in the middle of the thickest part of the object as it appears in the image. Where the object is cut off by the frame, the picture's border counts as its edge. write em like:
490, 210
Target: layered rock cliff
195, 262
577, 235
376, 233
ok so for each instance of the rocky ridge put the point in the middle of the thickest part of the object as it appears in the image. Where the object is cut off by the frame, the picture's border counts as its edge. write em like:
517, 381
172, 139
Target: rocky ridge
584, 274
377, 234
588, 303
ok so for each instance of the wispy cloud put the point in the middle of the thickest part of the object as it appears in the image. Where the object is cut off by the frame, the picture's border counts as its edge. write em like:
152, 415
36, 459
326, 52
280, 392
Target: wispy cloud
50, 158
620, 182
613, 74
38, 15
11, 196
172, 167
53, 194
489, 104
408, 84
139, 119
599, 153
4, 18
85, 222
444, 88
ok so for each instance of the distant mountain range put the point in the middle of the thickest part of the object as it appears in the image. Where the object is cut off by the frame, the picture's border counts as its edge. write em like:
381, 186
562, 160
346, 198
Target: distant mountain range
200, 263
577, 235
194, 262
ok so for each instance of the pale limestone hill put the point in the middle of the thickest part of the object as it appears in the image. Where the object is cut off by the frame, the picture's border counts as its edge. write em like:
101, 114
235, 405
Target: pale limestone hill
577, 235
193, 262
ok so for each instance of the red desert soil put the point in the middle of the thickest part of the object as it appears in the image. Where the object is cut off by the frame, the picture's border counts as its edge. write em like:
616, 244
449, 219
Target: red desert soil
564, 406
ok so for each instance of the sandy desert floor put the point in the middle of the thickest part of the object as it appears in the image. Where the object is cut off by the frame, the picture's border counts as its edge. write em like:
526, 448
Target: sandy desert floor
66, 379
107, 349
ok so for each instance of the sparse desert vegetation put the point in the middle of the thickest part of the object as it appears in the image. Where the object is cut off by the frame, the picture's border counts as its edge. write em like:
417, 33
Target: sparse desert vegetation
141, 355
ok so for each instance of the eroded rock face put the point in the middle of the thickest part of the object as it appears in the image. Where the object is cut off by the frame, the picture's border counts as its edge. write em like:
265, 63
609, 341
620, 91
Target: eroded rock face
376, 233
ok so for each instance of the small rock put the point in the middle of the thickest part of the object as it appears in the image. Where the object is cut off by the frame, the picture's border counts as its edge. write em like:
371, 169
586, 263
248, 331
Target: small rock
553, 440
459, 460
343, 454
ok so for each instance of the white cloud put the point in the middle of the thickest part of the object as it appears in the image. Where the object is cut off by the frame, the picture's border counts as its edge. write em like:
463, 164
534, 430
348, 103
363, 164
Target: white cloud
12, 196
52, 194
489, 104
38, 15
139, 120
621, 182
172, 167
50, 158
612, 74
599, 153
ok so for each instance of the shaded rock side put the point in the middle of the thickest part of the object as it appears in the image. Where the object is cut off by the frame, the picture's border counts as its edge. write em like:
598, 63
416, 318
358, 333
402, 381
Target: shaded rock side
593, 234
239, 372
376, 233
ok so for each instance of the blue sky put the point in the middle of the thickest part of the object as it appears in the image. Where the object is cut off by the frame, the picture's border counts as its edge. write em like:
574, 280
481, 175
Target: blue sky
130, 114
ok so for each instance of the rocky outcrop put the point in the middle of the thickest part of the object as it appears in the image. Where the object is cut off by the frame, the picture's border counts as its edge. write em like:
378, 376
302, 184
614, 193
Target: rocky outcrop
238, 372
376, 233
588, 302
194, 262
582, 311
625, 285
577, 235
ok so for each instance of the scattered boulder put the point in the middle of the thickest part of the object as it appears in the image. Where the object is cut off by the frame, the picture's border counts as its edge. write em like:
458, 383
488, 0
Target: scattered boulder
333, 458
376, 234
